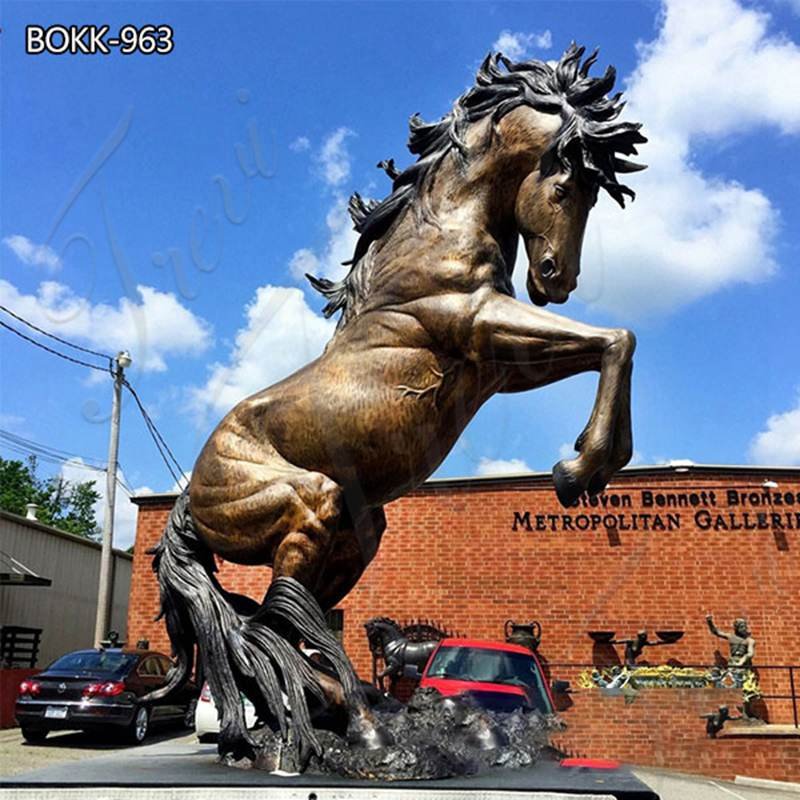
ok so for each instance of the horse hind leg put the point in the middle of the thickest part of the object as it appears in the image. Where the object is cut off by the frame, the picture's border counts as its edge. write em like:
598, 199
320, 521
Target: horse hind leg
329, 570
304, 514
253, 649
351, 551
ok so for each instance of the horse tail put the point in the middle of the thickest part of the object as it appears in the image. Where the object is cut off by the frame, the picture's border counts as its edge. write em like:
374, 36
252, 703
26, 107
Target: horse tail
240, 652
169, 557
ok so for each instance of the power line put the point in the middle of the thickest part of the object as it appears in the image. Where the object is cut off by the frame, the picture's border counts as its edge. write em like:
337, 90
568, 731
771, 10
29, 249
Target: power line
51, 350
53, 336
161, 444
39, 456
48, 450
49, 459
59, 462
52, 455
163, 448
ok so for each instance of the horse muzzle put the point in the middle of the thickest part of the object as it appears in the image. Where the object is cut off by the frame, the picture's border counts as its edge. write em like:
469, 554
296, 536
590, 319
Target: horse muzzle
541, 294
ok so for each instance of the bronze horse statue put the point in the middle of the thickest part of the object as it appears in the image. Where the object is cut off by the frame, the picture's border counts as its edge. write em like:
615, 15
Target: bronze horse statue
297, 475
399, 650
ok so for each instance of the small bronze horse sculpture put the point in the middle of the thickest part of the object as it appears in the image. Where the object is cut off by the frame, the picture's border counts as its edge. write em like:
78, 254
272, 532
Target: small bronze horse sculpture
296, 476
399, 651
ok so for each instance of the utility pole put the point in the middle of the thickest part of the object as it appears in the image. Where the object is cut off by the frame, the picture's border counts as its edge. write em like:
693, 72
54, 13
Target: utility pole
122, 361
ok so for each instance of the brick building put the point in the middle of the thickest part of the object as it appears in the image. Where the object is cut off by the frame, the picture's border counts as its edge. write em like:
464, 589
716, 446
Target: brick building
661, 548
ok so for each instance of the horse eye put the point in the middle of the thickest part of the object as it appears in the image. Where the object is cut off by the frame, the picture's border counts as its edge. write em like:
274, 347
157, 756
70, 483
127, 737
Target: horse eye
560, 191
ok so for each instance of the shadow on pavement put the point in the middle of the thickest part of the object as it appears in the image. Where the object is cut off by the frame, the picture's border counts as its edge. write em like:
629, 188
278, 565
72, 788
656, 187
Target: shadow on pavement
104, 740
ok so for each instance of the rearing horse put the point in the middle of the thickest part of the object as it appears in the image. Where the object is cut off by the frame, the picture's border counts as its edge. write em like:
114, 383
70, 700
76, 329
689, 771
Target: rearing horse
297, 475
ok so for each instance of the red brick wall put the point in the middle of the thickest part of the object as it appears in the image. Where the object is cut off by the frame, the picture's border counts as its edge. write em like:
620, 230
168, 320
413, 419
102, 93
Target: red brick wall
450, 553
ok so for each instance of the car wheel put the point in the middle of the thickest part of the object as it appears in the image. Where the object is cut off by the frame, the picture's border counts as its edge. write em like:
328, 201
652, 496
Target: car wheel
34, 735
137, 730
188, 718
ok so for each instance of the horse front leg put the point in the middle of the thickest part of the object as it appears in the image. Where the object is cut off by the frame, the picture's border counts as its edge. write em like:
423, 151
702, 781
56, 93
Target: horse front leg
622, 447
532, 348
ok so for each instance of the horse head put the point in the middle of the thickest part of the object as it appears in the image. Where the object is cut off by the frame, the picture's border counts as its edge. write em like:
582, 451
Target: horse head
561, 182
544, 137
551, 213
382, 629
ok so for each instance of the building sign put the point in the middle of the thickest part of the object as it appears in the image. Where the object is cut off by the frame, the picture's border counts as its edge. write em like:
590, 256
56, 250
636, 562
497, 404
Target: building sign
705, 510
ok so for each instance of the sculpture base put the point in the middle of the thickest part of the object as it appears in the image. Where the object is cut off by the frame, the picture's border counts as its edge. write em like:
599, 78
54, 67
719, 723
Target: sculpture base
178, 771
432, 738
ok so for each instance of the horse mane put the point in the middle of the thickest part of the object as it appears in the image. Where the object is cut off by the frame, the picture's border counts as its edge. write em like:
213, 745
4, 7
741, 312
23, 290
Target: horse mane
386, 620
588, 141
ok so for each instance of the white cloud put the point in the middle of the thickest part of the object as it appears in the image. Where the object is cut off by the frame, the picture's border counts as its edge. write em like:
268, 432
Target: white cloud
340, 246
12, 421
334, 158
779, 444
731, 73
303, 262
499, 466
281, 334
714, 70
155, 327
179, 486
518, 45
566, 451
300, 144
37, 255
74, 471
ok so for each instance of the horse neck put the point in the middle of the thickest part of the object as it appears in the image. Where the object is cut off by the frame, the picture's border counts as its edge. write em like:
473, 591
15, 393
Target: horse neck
388, 632
467, 210
462, 204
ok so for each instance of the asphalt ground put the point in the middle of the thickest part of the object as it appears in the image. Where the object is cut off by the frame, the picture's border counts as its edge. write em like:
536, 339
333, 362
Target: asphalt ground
672, 785
17, 756
175, 752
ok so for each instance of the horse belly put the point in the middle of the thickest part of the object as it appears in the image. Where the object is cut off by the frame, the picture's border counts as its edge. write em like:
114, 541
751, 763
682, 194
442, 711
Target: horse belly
235, 492
379, 426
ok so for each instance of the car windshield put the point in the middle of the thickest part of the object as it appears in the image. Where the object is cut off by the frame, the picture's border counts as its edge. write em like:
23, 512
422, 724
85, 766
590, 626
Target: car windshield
92, 661
491, 666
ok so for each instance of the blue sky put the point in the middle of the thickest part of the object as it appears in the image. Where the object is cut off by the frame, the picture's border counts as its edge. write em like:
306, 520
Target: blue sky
128, 220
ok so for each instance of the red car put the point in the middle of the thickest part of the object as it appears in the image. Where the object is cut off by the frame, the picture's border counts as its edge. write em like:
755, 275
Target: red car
498, 675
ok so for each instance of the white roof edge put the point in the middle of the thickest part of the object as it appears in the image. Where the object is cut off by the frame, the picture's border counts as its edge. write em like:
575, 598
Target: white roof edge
676, 465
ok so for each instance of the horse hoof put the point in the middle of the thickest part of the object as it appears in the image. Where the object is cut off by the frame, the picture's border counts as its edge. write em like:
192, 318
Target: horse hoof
370, 737
235, 743
568, 489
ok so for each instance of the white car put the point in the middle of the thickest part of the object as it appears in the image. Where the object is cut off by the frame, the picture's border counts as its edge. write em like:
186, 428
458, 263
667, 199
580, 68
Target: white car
206, 721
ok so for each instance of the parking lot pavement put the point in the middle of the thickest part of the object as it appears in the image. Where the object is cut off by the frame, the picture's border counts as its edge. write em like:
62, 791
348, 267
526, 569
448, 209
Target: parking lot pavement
677, 786
17, 756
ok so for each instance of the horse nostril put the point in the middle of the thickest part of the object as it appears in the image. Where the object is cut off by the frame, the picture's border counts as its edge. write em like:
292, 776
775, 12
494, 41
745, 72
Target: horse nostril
547, 268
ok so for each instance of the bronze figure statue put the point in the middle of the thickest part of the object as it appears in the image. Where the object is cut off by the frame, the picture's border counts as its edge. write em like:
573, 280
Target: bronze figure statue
741, 642
297, 475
